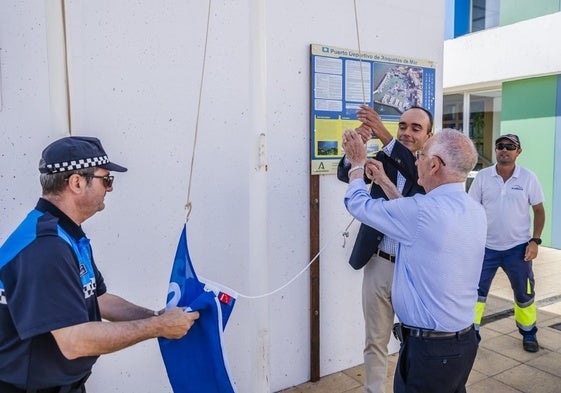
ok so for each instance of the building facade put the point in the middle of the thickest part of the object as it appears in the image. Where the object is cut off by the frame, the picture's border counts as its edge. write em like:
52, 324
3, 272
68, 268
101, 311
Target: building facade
502, 73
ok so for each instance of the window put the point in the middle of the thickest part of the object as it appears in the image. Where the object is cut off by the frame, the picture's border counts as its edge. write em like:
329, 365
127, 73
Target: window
477, 114
468, 16
484, 14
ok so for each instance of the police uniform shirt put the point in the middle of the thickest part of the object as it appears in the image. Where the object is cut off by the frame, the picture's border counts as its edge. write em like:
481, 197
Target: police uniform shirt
48, 280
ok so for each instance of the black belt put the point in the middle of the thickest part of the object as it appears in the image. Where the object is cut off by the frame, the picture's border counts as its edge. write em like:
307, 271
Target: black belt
385, 255
74, 387
424, 333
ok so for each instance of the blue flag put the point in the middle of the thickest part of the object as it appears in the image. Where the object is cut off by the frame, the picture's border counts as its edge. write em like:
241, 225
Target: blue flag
196, 362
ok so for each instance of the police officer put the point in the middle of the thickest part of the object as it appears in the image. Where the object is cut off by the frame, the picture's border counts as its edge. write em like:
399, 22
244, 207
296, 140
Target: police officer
52, 295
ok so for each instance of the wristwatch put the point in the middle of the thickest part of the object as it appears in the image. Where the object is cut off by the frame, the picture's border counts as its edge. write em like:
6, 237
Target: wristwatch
536, 240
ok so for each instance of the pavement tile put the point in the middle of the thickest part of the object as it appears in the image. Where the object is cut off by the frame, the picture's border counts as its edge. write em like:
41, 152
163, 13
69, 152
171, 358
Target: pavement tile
511, 347
490, 385
496, 304
336, 383
487, 334
546, 318
492, 363
475, 377
360, 389
553, 308
504, 326
357, 373
549, 363
530, 380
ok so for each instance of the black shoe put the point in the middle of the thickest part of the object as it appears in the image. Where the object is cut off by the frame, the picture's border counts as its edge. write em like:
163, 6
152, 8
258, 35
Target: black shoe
530, 343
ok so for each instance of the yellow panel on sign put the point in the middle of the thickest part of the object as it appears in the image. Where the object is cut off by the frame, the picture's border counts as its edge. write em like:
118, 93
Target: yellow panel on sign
328, 136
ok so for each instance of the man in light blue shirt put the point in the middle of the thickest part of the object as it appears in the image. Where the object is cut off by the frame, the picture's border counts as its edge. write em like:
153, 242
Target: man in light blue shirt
441, 239
373, 251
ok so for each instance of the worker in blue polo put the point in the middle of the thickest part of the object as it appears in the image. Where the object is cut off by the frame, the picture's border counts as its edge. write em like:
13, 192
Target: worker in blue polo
507, 191
56, 316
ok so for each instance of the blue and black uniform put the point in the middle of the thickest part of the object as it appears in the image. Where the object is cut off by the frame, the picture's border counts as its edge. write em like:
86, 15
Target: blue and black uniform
48, 281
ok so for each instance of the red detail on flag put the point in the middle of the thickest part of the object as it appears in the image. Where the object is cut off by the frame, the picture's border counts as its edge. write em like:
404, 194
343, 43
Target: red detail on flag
224, 298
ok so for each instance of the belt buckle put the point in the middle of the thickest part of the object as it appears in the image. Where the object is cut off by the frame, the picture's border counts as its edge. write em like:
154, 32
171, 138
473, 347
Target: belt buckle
416, 332
413, 331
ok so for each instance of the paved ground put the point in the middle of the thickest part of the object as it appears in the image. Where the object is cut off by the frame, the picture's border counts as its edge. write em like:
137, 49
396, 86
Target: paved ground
501, 366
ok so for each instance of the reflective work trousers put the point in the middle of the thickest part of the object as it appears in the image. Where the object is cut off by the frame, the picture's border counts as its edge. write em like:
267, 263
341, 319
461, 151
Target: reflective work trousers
521, 279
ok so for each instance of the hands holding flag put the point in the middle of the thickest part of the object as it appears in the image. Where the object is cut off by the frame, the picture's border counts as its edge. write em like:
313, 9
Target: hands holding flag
175, 322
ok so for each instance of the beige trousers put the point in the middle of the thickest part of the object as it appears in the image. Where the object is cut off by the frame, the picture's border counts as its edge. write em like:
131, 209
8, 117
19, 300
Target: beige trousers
379, 319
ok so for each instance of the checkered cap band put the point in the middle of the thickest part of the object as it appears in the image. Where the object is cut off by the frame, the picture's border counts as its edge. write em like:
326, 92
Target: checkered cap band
77, 164
3, 299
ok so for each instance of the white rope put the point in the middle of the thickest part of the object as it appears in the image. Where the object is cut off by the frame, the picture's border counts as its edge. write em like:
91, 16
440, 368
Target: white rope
66, 68
344, 233
188, 204
359, 54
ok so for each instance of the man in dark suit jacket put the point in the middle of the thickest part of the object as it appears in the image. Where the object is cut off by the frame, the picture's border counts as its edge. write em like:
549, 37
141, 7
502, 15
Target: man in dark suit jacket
371, 250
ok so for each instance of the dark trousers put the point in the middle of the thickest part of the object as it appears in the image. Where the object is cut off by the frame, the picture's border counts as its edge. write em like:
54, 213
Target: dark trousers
75, 388
435, 365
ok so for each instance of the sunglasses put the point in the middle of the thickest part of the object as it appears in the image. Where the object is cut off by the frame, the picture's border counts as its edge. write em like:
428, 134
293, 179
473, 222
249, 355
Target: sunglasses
508, 146
107, 180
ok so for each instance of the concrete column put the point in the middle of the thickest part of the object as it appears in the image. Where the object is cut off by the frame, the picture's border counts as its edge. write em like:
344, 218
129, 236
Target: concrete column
56, 52
258, 264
